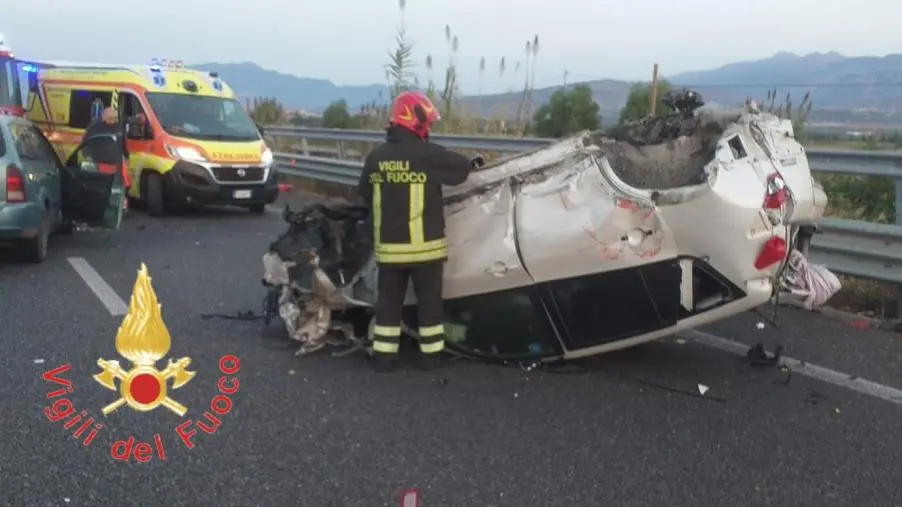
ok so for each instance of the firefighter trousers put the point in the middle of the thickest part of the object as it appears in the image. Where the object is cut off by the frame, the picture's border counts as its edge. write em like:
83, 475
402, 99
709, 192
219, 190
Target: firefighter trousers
392, 286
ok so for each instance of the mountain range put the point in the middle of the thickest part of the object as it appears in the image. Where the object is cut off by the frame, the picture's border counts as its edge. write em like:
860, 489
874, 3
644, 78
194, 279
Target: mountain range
844, 90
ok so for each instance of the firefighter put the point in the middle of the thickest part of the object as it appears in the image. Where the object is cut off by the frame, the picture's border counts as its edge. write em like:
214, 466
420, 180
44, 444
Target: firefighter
402, 184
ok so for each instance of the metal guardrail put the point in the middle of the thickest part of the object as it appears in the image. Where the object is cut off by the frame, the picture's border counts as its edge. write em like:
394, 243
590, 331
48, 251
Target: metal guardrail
453, 141
850, 247
860, 249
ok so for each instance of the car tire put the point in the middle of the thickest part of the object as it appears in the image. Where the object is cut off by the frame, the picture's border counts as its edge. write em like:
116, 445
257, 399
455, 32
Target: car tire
35, 249
257, 209
153, 194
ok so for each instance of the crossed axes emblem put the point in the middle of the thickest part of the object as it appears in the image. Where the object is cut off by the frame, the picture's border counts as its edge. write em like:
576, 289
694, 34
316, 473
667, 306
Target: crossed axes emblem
176, 370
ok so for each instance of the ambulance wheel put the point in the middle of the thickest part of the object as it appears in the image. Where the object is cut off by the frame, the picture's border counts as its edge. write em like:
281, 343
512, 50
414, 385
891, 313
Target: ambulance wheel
153, 193
257, 209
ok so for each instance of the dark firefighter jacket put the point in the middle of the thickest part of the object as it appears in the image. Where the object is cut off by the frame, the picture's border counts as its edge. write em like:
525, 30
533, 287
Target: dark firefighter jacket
402, 184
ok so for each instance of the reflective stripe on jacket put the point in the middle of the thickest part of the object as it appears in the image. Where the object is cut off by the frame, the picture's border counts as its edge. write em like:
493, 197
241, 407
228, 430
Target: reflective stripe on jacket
402, 183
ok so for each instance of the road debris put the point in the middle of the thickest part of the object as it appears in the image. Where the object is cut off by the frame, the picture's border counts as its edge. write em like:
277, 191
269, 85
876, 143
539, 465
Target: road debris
758, 357
702, 389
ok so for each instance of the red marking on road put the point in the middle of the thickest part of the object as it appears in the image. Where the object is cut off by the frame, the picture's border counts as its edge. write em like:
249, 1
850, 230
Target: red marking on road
860, 324
410, 498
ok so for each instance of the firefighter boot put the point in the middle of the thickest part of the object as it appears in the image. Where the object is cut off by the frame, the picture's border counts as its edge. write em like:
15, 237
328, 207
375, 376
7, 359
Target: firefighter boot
384, 362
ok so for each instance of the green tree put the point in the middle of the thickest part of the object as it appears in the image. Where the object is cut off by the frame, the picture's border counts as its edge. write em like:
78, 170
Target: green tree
267, 111
567, 112
336, 116
638, 102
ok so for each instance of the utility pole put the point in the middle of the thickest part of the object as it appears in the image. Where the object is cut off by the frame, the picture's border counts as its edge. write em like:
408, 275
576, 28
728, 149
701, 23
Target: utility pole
654, 90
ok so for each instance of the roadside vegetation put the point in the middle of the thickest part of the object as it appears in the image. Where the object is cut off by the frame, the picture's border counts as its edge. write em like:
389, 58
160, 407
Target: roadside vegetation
572, 109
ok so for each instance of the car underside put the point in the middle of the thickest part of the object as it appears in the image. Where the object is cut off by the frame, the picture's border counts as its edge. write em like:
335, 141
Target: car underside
597, 242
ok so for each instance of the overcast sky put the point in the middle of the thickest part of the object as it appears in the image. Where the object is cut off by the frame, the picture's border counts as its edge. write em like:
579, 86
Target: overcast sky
346, 40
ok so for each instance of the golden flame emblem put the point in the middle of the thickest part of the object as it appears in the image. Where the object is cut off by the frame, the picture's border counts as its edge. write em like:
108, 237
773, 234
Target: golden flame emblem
143, 339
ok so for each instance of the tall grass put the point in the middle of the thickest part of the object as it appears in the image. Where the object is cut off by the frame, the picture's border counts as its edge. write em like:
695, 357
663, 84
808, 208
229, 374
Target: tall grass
445, 92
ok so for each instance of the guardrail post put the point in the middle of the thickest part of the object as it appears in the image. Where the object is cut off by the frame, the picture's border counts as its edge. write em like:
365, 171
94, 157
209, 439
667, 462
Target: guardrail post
898, 203
305, 149
341, 150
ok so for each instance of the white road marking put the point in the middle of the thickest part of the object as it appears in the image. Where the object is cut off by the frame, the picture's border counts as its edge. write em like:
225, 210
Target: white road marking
117, 307
837, 378
113, 303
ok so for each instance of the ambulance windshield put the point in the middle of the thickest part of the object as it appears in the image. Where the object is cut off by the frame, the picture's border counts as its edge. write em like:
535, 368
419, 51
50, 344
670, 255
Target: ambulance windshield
10, 92
203, 117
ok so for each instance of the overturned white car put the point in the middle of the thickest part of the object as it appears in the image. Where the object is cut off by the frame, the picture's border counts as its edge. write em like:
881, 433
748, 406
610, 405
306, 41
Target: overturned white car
598, 242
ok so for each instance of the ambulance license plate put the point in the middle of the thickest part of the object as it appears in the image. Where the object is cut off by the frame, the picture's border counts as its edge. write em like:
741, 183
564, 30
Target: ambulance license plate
242, 194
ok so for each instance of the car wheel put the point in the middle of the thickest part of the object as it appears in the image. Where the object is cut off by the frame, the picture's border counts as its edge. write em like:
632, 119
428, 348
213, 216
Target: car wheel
257, 209
35, 249
153, 194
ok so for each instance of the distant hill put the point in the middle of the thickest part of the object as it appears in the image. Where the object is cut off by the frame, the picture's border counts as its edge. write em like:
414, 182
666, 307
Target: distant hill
861, 90
864, 90
251, 80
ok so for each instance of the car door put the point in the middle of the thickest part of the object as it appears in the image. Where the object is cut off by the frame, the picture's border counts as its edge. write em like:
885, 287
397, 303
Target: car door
39, 168
91, 195
482, 253
48, 156
603, 252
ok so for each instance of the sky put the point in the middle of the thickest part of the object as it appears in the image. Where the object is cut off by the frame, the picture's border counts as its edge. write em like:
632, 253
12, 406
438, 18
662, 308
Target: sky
347, 41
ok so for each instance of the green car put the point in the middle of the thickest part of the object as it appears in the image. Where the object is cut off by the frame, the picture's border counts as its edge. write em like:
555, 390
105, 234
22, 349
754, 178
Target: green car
40, 195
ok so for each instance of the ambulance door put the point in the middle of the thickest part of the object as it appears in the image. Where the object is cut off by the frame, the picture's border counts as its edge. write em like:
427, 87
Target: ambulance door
138, 137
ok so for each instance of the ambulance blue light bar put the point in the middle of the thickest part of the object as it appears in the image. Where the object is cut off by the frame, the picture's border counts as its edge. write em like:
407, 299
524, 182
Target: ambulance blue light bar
158, 64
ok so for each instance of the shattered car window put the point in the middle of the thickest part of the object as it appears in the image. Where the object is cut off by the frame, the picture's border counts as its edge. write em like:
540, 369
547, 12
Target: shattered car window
503, 324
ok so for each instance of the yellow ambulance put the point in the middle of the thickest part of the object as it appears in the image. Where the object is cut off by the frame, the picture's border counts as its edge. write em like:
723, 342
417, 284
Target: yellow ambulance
188, 137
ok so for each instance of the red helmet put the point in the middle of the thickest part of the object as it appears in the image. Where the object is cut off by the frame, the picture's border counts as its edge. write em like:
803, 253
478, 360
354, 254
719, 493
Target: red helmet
415, 112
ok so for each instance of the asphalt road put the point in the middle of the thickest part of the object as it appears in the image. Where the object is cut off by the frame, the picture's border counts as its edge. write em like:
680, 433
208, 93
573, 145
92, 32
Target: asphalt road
628, 429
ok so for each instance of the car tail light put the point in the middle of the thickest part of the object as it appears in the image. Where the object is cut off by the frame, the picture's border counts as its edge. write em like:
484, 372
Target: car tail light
775, 197
15, 185
774, 251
